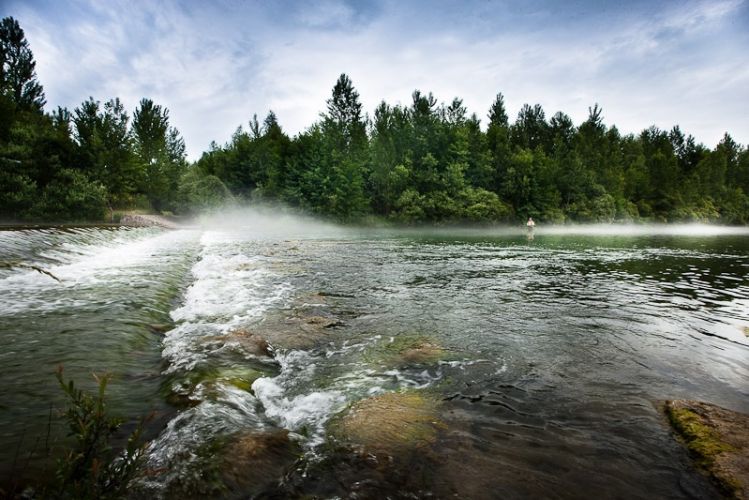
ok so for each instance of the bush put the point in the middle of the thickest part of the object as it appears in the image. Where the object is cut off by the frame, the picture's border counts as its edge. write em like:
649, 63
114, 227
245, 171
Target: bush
92, 469
409, 207
71, 196
16, 194
199, 192
480, 205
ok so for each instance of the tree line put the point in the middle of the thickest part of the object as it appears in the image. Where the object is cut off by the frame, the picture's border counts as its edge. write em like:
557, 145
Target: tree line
425, 162
78, 165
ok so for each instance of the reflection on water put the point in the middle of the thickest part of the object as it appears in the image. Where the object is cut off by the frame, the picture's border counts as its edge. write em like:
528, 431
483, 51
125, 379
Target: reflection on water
547, 352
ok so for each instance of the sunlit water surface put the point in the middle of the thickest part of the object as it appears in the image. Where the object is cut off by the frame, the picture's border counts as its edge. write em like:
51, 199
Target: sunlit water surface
559, 349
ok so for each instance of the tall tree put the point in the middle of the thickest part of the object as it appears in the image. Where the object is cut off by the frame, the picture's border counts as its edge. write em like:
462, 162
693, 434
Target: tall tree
106, 148
345, 114
530, 129
498, 142
18, 78
498, 113
160, 151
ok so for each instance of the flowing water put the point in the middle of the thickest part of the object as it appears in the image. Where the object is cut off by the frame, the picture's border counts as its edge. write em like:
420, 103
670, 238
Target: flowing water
546, 358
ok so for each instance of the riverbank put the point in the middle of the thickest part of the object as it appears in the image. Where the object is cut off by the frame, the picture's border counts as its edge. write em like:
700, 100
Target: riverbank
151, 220
129, 219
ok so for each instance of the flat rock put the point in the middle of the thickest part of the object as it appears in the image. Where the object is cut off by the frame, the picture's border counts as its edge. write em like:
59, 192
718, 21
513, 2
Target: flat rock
718, 439
250, 342
390, 424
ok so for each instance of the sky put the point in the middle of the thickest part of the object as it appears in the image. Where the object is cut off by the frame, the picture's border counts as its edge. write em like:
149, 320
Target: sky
215, 64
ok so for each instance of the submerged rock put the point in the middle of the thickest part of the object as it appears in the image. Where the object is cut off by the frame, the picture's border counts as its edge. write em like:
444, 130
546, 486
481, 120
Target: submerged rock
250, 342
202, 384
719, 440
256, 461
297, 330
390, 424
321, 321
241, 378
405, 350
380, 447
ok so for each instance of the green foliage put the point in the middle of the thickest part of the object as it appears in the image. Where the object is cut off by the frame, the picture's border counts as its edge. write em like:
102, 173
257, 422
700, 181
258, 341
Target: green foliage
71, 196
160, 153
481, 205
198, 192
17, 68
92, 468
18, 193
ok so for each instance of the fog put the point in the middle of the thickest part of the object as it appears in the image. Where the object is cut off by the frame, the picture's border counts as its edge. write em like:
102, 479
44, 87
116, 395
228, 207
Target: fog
270, 222
282, 222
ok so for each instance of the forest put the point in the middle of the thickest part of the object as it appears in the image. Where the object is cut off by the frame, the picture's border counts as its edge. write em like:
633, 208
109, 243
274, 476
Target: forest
425, 162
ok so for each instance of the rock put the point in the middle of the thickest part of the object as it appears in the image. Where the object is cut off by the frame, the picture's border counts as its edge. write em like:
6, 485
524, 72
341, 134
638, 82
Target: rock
210, 383
406, 350
385, 446
241, 378
256, 461
390, 424
160, 328
718, 439
250, 342
322, 321
297, 330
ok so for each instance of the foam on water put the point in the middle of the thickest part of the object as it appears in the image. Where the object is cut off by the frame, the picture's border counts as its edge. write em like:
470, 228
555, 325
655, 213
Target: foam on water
176, 451
306, 411
78, 267
232, 287
226, 288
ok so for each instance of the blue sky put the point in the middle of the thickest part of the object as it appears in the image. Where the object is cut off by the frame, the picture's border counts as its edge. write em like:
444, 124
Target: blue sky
214, 64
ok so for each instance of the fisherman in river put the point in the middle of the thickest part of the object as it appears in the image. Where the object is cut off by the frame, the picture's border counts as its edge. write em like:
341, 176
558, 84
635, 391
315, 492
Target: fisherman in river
530, 226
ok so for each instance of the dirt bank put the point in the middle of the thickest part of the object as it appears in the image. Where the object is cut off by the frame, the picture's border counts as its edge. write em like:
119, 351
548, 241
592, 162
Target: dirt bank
150, 220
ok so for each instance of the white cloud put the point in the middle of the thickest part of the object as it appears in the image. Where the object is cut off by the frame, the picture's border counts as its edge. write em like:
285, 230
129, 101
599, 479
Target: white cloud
213, 67
325, 14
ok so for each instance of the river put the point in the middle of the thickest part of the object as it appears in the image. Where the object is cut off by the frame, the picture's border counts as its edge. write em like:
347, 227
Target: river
545, 358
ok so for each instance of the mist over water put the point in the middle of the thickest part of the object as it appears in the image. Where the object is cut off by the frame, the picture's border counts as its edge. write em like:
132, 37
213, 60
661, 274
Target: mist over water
254, 324
270, 222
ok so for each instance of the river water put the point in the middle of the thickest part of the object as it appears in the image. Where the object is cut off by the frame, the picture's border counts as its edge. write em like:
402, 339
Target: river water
553, 353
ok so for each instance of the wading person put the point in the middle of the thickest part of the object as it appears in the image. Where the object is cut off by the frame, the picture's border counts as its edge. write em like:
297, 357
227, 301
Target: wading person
530, 226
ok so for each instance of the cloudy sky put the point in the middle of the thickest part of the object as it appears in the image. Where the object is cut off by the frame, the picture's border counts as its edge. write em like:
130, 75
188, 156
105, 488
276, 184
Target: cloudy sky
214, 64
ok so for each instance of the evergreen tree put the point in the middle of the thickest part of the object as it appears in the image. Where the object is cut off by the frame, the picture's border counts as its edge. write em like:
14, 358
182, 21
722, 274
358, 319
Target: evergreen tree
345, 115
17, 68
160, 152
530, 129
106, 148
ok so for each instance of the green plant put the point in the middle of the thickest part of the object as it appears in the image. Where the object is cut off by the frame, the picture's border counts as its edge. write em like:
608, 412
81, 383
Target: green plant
92, 468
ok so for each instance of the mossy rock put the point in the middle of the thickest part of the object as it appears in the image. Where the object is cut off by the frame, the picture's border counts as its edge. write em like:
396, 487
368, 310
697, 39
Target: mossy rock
241, 378
718, 439
391, 423
405, 350
185, 392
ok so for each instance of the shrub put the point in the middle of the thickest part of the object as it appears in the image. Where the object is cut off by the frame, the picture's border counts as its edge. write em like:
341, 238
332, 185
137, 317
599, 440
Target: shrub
92, 468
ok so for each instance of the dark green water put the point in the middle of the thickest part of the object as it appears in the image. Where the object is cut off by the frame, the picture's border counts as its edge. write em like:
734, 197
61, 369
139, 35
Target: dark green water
558, 350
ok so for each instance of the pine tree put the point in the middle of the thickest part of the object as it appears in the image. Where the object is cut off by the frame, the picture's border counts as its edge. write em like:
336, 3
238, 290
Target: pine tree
17, 68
